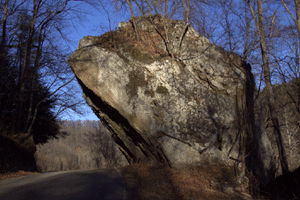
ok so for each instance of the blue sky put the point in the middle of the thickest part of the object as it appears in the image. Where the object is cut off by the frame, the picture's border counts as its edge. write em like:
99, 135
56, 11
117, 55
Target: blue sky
94, 22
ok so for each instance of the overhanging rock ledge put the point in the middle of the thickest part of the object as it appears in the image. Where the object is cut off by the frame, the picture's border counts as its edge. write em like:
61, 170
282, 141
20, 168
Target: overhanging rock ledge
174, 111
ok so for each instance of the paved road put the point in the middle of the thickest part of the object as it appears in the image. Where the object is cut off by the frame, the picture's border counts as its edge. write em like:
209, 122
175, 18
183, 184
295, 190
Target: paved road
100, 184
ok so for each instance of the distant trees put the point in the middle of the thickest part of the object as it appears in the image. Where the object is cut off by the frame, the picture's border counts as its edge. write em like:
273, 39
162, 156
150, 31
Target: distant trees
103, 148
86, 146
289, 65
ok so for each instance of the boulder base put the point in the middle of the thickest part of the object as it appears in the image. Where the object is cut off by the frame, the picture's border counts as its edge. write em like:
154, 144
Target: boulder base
172, 104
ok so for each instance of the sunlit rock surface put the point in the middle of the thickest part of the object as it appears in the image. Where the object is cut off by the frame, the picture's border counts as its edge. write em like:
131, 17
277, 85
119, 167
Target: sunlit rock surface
159, 109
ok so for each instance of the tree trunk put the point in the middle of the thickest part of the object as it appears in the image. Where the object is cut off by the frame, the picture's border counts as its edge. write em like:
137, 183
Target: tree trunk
187, 11
297, 5
133, 20
25, 64
2, 51
269, 89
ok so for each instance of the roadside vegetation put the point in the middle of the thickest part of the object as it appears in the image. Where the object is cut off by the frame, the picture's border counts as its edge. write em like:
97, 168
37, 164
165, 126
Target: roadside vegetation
35, 78
87, 146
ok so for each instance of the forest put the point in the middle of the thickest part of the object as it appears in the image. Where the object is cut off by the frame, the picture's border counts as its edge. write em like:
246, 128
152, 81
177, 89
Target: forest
37, 84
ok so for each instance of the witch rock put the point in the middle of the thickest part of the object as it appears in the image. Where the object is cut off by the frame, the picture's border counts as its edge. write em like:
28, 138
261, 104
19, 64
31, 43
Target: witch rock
172, 100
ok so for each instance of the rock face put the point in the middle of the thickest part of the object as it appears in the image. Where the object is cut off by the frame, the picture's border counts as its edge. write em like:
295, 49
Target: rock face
164, 100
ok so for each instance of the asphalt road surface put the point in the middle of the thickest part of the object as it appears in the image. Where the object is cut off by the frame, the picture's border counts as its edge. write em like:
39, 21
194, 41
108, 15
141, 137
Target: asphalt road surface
100, 184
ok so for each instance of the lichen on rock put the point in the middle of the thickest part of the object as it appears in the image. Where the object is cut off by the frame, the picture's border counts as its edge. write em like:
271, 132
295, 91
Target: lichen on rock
159, 108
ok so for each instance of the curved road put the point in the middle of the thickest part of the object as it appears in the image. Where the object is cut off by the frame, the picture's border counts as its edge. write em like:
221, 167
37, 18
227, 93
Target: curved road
100, 184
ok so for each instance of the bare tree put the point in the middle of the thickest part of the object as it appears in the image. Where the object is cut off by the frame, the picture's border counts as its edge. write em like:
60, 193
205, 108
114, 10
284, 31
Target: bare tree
166, 9
297, 20
33, 56
293, 63
266, 68
41, 36
129, 3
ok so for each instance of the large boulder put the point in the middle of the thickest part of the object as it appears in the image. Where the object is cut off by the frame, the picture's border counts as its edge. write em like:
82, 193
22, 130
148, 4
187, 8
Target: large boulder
164, 100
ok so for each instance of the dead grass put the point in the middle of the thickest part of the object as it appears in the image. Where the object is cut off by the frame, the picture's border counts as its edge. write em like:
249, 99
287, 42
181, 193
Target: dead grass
155, 182
15, 174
